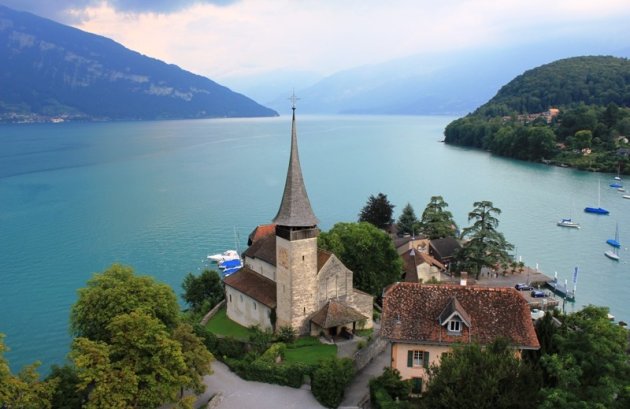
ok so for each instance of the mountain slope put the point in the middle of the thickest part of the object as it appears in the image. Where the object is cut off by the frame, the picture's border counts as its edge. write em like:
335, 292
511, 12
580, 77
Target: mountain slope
50, 70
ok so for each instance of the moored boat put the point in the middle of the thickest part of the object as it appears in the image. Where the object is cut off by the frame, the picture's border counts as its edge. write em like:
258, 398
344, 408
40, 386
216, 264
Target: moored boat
225, 256
568, 223
612, 254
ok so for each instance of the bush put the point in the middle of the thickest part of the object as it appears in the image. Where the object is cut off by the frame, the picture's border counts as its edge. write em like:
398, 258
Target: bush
391, 382
260, 339
330, 380
263, 371
286, 334
274, 351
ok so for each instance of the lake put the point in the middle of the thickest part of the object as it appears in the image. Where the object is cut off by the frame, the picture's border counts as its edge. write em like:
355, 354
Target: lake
160, 196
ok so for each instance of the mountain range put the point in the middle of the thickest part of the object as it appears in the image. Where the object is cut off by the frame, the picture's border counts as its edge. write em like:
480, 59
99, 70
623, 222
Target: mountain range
51, 71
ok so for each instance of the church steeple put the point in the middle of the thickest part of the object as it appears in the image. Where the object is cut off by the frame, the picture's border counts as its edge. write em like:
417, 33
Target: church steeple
295, 209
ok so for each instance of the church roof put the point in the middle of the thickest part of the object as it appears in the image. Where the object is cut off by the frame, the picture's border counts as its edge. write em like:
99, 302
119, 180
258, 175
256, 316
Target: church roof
253, 285
295, 208
336, 313
261, 231
264, 248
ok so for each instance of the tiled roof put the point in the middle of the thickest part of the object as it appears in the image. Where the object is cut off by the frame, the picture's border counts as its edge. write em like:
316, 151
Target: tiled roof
336, 313
445, 247
261, 231
322, 257
295, 208
410, 264
253, 285
454, 306
264, 249
411, 313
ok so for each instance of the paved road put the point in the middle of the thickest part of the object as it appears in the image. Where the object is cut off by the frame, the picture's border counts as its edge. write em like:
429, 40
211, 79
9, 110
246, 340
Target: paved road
241, 394
238, 393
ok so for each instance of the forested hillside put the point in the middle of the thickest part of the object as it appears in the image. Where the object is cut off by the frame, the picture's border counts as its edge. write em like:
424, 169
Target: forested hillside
573, 112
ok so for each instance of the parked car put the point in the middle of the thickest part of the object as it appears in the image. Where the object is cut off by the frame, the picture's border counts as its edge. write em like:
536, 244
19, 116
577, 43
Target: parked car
523, 287
537, 294
537, 314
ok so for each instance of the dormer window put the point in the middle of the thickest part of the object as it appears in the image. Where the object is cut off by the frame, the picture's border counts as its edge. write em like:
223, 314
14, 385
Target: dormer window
454, 317
454, 326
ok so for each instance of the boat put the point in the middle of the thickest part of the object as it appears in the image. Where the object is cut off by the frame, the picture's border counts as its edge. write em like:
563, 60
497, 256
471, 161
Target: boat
598, 209
618, 177
620, 189
229, 267
612, 254
568, 223
616, 185
225, 256
615, 242
626, 196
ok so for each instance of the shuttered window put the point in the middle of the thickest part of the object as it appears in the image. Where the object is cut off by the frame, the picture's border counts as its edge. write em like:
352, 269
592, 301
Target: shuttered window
417, 359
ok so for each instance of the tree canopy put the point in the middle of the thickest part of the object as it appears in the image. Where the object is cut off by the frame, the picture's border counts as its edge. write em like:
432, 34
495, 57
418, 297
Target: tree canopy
377, 211
591, 93
436, 221
584, 362
24, 390
485, 245
367, 251
204, 291
118, 291
472, 376
408, 222
135, 352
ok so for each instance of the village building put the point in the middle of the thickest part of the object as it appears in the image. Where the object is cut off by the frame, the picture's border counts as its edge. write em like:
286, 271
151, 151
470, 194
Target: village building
287, 280
422, 322
444, 249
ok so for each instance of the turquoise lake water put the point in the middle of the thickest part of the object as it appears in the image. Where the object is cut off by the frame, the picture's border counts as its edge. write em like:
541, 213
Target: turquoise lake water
160, 196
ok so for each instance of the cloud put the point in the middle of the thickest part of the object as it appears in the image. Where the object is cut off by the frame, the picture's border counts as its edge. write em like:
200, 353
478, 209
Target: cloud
70, 11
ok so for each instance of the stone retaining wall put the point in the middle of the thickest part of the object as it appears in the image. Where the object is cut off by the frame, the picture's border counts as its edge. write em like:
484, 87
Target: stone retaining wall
211, 313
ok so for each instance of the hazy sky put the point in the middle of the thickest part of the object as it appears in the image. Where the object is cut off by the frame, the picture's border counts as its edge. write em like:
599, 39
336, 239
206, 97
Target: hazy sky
224, 38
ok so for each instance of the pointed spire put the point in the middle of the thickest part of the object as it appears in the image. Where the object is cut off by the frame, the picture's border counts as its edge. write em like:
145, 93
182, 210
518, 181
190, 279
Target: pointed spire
295, 209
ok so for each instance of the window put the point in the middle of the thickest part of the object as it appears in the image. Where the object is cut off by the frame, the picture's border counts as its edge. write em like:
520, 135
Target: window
254, 302
241, 297
417, 359
416, 385
454, 326
230, 297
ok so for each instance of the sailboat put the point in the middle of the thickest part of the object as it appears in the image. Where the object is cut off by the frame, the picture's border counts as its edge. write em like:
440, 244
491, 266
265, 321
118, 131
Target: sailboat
617, 177
615, 242
568, 223
598, 209
612, 254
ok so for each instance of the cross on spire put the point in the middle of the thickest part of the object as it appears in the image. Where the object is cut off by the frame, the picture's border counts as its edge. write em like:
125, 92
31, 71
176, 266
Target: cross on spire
293, 100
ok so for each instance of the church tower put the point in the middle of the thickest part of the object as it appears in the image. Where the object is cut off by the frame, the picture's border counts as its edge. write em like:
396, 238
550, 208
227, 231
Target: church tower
296, 248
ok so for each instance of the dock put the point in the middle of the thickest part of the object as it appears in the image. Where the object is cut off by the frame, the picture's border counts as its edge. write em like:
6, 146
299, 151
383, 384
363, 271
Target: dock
507, 278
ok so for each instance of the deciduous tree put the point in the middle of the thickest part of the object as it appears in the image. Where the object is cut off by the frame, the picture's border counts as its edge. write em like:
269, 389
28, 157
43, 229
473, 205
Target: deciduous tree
367, 251
24, 390
491, 377
204, 291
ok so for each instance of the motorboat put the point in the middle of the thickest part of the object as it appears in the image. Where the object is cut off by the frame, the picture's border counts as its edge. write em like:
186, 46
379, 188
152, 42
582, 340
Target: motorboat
568, 223
225, 256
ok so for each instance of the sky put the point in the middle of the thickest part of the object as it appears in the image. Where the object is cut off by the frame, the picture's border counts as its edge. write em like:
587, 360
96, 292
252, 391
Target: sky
222, 39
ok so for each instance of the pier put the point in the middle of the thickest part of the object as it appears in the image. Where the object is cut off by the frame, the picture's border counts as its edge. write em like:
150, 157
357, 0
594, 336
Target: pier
508, 278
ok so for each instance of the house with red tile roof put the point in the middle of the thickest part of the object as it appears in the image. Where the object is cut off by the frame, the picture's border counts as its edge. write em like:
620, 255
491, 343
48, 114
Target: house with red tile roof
422, 322
287, 280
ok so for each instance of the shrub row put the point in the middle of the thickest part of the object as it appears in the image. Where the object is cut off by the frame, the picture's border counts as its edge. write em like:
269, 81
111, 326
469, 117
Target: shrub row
260, 370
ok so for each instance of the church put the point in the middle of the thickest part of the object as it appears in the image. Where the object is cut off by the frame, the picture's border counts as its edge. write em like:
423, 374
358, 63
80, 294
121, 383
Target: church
286, 280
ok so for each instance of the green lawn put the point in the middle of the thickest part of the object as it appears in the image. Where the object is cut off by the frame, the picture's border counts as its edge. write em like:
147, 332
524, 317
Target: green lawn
309, 351
220, 324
